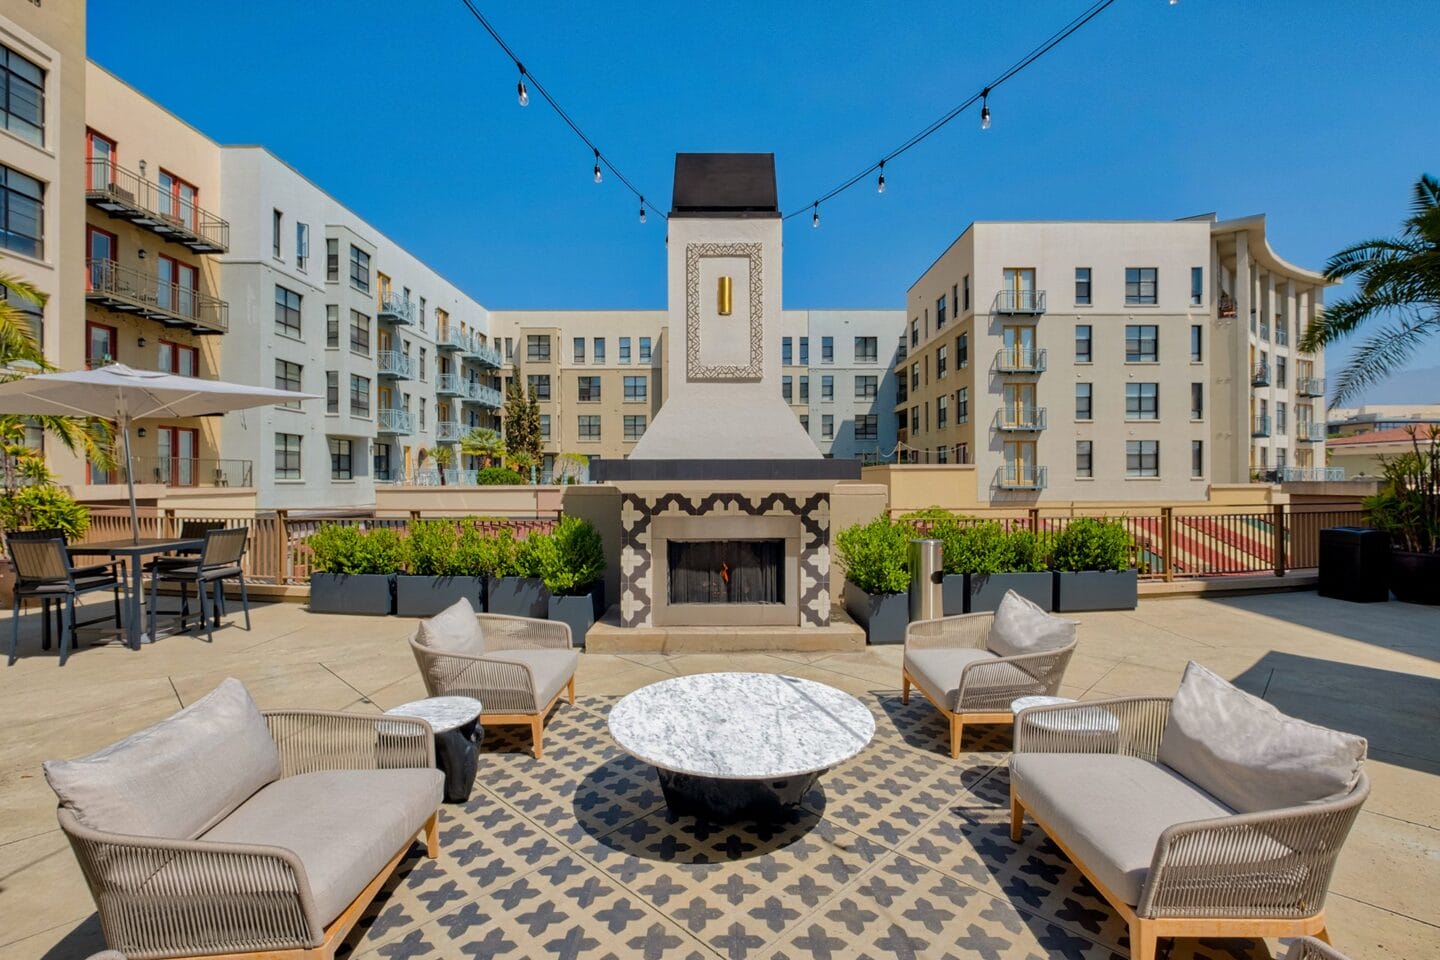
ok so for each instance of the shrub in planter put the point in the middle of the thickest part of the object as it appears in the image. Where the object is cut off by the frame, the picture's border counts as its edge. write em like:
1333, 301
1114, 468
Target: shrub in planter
1092, 567
571, 561
43, 507
515, 586
995, 561
442, 569
353, 570
875, 558
498, 476
1408, 509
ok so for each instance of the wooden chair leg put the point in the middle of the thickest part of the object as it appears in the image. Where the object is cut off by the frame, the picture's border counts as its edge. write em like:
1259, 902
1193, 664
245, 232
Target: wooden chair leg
957, 733
1143, 942
571, 688
904, 687
1017, 816
537, 734
432, 835
1323, 935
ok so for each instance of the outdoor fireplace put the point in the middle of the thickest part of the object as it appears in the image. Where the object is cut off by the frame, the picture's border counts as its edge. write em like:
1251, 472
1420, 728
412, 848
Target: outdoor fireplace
726, 571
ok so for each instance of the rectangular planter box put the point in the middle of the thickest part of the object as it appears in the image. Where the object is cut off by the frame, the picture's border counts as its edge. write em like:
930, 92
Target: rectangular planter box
883, 615
984, 590
1095, 590
952, 594
427, 596
518, 597
579, 612
366, 593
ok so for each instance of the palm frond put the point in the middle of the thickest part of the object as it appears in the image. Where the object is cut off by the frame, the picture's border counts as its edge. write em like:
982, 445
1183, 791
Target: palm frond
16, 287
1366, 253
1382, 354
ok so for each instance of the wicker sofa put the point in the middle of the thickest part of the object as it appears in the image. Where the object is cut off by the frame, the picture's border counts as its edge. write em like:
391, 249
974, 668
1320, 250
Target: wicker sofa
517, 667
225, 831
1209, 814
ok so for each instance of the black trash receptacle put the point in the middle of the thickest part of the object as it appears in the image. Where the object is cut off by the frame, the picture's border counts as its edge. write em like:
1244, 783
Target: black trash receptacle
1355, 564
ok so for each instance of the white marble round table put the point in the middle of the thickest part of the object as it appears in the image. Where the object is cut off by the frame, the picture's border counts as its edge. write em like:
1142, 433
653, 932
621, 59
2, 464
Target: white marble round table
738, 746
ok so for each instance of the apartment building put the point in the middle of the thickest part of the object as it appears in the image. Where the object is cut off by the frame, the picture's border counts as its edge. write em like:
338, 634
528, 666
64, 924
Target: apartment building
1087, 361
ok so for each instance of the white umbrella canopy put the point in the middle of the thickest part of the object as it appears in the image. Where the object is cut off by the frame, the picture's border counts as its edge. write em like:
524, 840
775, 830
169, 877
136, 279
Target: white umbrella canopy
123, 394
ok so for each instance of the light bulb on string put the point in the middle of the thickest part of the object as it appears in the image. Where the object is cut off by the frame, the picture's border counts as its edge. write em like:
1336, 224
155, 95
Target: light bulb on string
597, 165
642, 209
815, 217
985, 109
521, 94
880, 184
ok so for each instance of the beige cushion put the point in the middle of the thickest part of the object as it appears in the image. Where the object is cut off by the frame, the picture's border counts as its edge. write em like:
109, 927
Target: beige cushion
937, 670
1250, 755
1109, 810
455, 629
1021, 627
175, 779
550, 669
344, 825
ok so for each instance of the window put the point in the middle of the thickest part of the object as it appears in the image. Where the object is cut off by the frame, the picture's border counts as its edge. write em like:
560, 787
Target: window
579, 349
827, 388
287, 456
419, 310
179, 359
786, 356
100, 344
544, 426
1281, 371
287, 377
867, 350
914, 331
644, 349
827, 349
1082, 343
175, 286
827, 426
867, 426
787, 388
804, 351
332, 391
276, 220
22, 213
1197, 458
635, 388
332, 260
1142, 458
866, 386
539, 384
359, 333
1197, 401
287, 312
624, 349
955, 300
599, 351
537, 348
22, 97
914, 376
1084, 459
634, 426
342, 464
177, 199
100, 157
804, 389
359, 396
422, 364
940, 313
1141, 343
589, 427
942, 411
1197, 343
914, 419
1142, 401
1084, 397
302, 245
332, 326
965, 289
359, 269
962, 351
962, 406
1197, 286
588, 389
1140, 285
422, 413
805, 422
1280, 409
942, 359
1082, 286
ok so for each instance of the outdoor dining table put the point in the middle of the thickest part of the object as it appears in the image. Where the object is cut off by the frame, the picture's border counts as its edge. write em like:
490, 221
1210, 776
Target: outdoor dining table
134, 552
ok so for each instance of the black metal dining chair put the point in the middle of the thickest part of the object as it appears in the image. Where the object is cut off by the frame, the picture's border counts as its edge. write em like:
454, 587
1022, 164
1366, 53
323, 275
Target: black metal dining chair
219, 560
43, 572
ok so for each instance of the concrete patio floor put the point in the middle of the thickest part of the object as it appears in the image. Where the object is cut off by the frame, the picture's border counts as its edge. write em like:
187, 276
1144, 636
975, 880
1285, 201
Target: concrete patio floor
1373, 670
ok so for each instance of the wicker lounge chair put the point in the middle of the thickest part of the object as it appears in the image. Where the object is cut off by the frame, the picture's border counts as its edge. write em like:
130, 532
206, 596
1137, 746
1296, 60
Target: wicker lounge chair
517, 667
1209, 814
223, 831
1308, 948
972, 666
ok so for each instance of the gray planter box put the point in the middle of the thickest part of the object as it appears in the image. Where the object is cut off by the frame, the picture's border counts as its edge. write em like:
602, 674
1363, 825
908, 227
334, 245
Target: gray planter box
1095, 590
883, 615
579, 612
427, 596
953, 593
983, 591
366, 593
518, 597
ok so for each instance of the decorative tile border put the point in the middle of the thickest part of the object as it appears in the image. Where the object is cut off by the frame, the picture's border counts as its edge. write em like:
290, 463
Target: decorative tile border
694, 370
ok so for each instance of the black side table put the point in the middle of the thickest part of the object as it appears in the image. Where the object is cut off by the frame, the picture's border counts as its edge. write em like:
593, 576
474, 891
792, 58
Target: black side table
456, 722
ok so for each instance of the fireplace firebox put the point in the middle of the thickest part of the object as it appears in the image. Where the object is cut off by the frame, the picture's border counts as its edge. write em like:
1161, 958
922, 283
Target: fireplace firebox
726, 571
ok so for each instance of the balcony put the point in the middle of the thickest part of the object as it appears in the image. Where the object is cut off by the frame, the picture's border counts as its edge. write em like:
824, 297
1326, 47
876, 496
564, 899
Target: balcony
449, 385
394, 364
1310, 432
452, 338
1015, 476
129, 291
128, 196
1311, 474
396, 309
485, 396
1024, 420
1020, 360
1030, 302
448, 431
1260, 427
192, 472
1260, 376
485, 355
395, 420
1310, 386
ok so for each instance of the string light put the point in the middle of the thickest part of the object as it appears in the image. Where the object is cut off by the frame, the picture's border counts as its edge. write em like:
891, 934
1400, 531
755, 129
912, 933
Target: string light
985, 109
880, 184
815, 220
597, 166
642, 209
520, 93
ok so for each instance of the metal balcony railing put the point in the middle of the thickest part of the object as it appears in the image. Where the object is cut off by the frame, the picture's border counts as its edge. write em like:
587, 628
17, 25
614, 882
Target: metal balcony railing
393, 363
449, 385
1015, 476
452, 338
486, 355
129, 196
395, 308
1311, 474
1024, 420
1309, 431
395, 420
192, 471
129, 291
448, 431
1260, 427
483, 395
1260, 376
1020, 301
1310, 386
1020, 360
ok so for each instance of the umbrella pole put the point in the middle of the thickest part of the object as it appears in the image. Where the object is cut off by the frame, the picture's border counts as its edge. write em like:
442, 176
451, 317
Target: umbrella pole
130, 480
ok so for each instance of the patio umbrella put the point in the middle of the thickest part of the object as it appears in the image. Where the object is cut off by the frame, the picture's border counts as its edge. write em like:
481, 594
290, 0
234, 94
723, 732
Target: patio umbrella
125, 395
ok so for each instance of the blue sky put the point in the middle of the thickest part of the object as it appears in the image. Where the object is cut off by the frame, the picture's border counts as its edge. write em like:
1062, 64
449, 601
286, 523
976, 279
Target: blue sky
1320, 115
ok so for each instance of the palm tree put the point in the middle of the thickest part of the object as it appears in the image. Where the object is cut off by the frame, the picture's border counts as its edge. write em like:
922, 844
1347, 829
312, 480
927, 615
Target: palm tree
1399, 279
484, 443
20, 355
443, 457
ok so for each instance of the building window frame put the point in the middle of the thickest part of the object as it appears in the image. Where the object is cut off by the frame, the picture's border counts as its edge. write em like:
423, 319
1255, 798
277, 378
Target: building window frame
1142, 343
21, 233
1142, 458
288, 461
288, 305
359, 396
587, 427
1142, 286
1083, 288
1084, 459
1142, 401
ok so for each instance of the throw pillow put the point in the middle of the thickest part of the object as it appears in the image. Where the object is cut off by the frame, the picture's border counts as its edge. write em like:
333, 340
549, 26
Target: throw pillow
1021, 627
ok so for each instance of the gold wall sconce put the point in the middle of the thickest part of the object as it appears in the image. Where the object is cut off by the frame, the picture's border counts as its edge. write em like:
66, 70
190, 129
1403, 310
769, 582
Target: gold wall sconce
723, 296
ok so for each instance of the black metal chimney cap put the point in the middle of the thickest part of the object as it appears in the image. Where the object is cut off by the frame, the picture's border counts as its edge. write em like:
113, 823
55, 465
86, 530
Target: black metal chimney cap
725, 185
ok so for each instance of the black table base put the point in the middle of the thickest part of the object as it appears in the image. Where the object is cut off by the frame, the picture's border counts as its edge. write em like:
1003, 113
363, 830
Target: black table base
732, 801
457, 755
